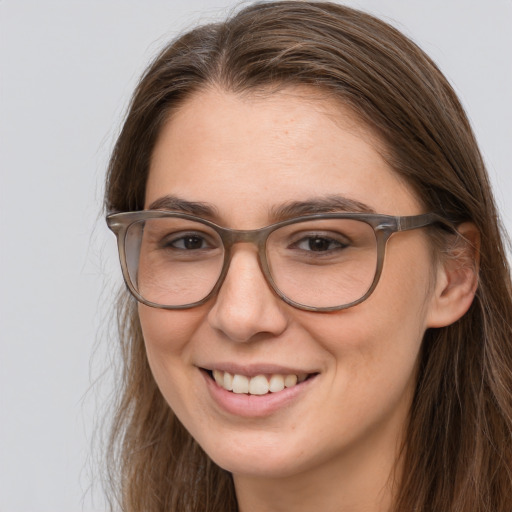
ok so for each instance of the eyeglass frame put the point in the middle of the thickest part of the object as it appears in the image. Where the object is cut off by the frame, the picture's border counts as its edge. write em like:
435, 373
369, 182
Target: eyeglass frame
384, 226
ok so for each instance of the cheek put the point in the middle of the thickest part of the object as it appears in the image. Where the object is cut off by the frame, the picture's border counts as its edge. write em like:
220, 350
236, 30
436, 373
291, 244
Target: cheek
166, 337
406, 287
375, 345
168, 331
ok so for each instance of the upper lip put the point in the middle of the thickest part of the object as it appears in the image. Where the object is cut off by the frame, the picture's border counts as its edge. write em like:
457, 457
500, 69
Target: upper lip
251, 370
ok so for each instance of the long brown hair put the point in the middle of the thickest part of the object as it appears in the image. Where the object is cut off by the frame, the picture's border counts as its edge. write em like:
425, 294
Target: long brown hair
458, 447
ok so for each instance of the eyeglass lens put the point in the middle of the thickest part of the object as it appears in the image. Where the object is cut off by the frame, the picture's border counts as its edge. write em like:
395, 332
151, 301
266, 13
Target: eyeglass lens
317, 263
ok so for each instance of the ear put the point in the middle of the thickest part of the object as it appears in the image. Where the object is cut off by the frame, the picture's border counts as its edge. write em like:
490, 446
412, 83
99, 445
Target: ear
456, 278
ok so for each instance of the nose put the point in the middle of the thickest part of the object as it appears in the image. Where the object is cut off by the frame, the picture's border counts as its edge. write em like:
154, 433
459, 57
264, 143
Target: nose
245, 306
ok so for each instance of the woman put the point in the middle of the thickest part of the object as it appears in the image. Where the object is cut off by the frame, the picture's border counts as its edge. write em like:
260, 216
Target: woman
273, 358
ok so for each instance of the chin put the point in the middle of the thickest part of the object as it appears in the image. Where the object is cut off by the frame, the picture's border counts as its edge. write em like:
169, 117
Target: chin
257, 457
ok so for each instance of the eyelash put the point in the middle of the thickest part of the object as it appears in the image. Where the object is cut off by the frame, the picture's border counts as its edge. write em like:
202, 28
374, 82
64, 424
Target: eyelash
172, 243
331, 241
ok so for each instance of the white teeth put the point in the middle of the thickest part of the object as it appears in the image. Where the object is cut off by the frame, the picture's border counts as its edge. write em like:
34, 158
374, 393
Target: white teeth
276, 383
259, 385
290, 380
228, 381
240, 384
219, 377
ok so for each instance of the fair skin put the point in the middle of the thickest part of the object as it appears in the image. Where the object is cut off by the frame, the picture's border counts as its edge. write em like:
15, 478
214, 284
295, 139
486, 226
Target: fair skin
332, 444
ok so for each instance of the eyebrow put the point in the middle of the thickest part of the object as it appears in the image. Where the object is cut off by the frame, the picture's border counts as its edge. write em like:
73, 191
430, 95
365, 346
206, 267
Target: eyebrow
329, 204
174, 203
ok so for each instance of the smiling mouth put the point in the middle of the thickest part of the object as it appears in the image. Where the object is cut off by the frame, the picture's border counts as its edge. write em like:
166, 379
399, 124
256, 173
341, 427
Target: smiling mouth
257, 385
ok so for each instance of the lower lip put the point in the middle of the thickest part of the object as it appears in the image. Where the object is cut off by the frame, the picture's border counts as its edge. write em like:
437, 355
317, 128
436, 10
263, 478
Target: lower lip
254, 406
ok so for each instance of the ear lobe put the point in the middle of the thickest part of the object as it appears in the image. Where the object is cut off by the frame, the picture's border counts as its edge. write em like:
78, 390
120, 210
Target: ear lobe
457, 278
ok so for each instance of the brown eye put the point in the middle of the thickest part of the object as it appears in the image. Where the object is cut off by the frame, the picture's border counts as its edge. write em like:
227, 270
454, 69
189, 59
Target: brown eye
186, 242
190, 242
319, 244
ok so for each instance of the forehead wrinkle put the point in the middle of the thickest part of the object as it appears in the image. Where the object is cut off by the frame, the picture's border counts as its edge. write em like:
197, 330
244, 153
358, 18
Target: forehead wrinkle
329, 204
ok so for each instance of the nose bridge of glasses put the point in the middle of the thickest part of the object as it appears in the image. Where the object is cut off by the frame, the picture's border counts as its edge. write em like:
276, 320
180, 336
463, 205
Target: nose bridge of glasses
248, 236
253, 237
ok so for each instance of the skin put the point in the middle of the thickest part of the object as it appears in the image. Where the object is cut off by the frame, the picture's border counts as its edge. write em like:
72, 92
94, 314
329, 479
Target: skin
334, 448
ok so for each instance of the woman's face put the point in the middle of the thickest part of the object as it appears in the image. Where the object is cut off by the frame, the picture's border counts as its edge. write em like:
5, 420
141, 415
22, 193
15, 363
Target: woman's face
245, 158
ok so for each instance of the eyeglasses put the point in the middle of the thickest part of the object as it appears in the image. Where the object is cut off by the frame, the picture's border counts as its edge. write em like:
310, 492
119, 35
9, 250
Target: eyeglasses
321, 262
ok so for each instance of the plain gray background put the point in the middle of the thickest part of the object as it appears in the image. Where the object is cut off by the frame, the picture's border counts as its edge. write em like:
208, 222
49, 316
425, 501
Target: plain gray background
67, 69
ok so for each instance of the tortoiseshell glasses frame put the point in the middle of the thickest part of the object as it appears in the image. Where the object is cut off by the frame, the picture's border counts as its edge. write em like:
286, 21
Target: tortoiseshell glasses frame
318, 251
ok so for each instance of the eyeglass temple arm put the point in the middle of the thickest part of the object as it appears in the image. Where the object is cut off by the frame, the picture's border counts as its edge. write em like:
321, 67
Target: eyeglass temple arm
423, 220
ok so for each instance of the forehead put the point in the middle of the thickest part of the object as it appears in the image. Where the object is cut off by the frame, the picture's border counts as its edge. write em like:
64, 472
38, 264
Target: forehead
248, 155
